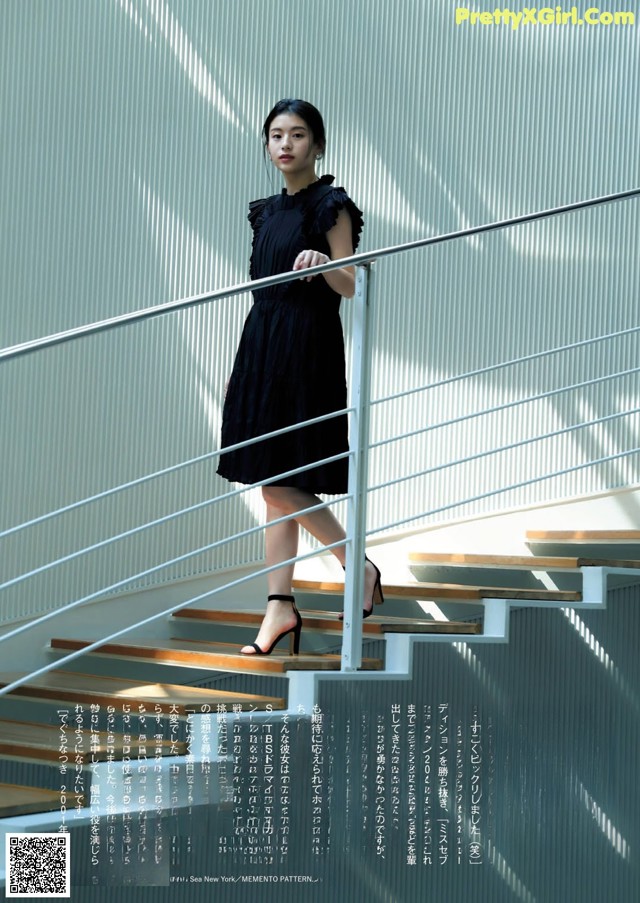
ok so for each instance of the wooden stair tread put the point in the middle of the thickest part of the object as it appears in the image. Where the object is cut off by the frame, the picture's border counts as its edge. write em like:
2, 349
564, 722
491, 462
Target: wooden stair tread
73, 687
544, 595
28, 740
306, 661
233, 617
327, 622
453, 592
463, 628
426, 591
216, 656
18, 800
457, 559
586, 536
517, 562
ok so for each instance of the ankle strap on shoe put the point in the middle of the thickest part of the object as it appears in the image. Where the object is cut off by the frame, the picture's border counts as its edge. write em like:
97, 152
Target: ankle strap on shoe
280, 598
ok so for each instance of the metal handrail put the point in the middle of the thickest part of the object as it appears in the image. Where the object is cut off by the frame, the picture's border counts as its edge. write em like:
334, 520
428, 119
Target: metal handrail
510, 446
159, 614
175, 467
157, 522
605, 459
373, 445
126, 581
354, 541
505, 406
207, 456
351, 659
513, 362
364, 258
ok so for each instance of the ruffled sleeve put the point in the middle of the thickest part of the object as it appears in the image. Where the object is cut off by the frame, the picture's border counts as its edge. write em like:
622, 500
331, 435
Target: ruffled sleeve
256, 211
327, 208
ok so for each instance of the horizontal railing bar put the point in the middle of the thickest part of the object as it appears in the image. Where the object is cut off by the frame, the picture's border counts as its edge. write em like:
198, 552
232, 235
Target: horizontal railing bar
527, 358
173, 469
209, 455
166, 564
372, 256
503, 407
134, 531
493, 492
168, 611
362, 259
503, 448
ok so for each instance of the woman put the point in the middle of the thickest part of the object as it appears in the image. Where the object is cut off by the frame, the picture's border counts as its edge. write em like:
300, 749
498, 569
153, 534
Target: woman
290, 364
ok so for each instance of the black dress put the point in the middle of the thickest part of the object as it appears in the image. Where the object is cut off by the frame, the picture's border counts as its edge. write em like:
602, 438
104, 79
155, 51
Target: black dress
290, 364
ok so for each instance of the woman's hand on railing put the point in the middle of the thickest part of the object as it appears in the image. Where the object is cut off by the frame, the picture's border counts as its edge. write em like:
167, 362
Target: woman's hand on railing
309, 258
341, 281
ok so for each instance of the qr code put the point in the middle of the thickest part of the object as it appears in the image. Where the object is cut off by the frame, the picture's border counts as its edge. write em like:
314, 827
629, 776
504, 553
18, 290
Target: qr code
37, 865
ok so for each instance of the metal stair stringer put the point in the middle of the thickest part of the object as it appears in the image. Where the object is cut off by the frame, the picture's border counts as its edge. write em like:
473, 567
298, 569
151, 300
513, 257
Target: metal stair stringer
594, 590
304, 685
595, 585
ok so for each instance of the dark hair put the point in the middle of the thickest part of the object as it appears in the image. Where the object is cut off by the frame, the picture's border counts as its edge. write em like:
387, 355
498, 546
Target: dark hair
305, 111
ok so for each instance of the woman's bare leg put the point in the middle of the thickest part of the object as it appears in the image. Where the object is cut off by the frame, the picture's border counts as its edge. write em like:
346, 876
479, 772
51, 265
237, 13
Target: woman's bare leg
281, 541
322, 524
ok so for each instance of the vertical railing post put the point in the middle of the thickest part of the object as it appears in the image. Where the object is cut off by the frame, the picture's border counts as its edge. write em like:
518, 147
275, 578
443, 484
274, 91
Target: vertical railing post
359, 447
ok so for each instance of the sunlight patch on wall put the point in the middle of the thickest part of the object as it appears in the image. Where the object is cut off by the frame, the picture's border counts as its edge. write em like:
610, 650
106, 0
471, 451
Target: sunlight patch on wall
128, 8
480, 672
184, 255
605, 437
562, 239
545, 580
212, 408
190, 61
585, 634
389, 203
502, 867
600, 817
430, 608
603, 657
462, 220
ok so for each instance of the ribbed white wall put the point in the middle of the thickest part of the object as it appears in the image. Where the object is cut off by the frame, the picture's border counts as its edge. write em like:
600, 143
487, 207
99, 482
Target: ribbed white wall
130, 148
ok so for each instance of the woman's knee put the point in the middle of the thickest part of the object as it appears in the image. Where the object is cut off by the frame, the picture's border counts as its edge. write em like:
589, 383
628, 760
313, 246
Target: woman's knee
280, 497
286, 498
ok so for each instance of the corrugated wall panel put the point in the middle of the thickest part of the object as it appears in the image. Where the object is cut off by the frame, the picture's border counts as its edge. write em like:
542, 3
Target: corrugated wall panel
130, 149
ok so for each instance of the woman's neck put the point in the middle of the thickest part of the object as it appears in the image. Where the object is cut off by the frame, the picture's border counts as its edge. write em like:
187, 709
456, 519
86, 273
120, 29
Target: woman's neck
297, 181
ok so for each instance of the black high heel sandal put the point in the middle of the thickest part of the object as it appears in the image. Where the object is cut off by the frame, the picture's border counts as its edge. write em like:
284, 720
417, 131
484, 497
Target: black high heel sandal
294, 638
377, 597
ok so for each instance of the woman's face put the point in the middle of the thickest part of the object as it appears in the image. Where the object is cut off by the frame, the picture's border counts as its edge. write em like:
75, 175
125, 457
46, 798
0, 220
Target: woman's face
291, 145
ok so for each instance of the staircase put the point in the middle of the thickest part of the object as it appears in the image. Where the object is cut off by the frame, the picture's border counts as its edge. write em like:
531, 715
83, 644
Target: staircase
477, 593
